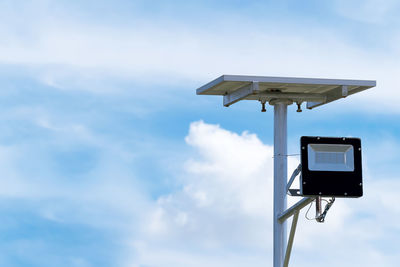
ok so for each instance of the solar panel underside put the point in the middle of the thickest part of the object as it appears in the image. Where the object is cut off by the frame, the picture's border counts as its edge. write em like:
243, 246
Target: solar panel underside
296, 89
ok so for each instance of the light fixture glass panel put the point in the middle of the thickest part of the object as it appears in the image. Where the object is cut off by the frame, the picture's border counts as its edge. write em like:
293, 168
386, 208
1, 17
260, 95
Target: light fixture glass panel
330, 157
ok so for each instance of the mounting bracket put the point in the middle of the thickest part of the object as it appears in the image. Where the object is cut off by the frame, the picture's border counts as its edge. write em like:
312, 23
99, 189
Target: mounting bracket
294, 192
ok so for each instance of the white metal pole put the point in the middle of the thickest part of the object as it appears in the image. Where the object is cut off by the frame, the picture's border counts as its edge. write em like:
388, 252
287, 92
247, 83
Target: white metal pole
280, 180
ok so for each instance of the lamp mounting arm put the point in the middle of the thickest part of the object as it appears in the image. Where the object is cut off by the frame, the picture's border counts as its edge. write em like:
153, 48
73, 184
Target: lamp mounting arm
293, 192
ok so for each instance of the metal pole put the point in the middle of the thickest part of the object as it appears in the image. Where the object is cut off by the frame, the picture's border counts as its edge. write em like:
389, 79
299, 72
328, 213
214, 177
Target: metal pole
318, 207
280, 180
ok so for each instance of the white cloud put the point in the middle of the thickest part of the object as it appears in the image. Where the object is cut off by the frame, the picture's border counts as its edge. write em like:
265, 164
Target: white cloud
224, 205
370, 11
151, 49
104, 195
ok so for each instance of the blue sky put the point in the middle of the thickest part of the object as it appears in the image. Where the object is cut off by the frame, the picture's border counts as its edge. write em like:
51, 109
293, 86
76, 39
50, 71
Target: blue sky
108, 158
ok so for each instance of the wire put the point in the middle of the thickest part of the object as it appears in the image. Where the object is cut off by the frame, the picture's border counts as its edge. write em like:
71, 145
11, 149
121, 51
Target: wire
309, 207
288, 155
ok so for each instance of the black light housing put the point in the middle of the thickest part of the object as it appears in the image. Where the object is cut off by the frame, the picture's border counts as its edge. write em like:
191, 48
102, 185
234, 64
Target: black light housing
331, 166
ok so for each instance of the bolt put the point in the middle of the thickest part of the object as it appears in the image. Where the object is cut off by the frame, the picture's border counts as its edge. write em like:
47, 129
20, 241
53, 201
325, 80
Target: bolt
299, 107
345, 194
263, 109
320, 193
302, 147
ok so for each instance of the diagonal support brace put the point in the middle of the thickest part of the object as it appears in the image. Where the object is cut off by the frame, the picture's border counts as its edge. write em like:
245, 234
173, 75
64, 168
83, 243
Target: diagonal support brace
294, 210
291, 238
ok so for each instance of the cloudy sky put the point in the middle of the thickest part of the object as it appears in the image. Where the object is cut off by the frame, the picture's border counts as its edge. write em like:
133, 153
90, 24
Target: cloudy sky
108, 157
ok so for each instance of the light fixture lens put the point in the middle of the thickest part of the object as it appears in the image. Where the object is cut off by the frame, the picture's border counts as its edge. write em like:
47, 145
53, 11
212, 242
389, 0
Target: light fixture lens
330, 157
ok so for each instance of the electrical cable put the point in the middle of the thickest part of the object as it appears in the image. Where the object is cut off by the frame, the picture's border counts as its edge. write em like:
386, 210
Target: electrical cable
327, 206
310, 219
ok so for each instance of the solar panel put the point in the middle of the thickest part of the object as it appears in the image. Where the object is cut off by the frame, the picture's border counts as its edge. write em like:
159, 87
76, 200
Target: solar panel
314, 91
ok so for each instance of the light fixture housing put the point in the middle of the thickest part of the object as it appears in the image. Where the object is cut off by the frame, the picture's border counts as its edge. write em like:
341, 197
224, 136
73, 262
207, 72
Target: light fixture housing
331, 166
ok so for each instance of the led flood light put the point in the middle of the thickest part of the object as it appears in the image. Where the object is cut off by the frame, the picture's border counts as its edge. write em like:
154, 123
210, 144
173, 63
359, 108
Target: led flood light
331, 166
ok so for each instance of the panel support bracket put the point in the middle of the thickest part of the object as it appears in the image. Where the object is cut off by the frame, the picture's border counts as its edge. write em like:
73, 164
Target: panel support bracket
241, 93
339, 92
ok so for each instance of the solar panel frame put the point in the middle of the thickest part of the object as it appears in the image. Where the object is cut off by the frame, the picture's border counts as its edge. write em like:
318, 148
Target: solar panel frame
295, 89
